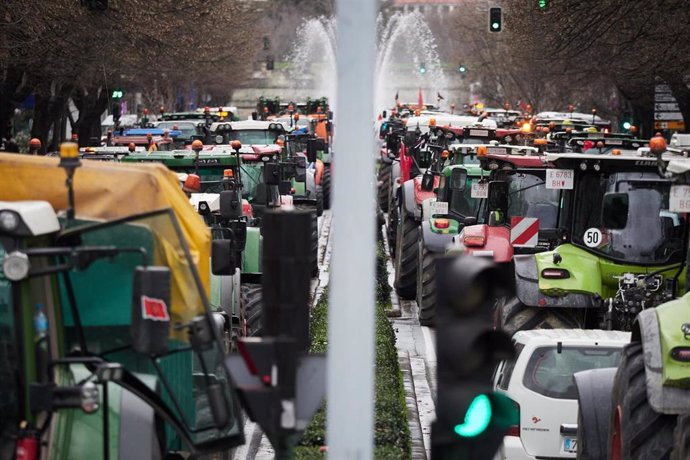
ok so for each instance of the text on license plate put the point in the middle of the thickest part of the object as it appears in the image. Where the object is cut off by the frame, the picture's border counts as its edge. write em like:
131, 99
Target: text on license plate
570, 444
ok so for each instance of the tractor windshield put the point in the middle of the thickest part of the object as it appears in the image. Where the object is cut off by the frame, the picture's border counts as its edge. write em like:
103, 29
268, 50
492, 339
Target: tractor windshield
252, 175
98, 321
529, 197
625, 217
254, 136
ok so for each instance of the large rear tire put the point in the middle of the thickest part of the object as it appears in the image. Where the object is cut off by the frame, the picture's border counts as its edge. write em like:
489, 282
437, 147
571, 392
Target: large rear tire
314, 252
426, 285
637, 432
514, 316
384, 183
251, 309
319, 200
681, 439
406, 258
392, 227
326, 187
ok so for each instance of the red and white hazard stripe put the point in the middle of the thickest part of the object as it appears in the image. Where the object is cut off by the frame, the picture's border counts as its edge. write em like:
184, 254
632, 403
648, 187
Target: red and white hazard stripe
524, 231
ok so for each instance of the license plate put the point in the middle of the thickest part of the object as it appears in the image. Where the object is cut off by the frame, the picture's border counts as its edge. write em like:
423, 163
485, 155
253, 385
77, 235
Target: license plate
570, 445
439, 207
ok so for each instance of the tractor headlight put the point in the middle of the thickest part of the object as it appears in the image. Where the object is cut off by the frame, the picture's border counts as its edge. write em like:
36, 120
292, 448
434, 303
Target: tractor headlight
16, 266
9, 221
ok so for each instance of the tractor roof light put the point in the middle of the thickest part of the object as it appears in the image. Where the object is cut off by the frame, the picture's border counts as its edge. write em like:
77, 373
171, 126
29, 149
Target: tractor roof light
229, 173
657, 144
615, 152
207, 110
481, 151
445, 154
9, 221
432, 122
236, 145
192, 183
541, 142
146, 111
16, 265
69, 151
131, 147
296, 117
526, 128
197, 145
600, 144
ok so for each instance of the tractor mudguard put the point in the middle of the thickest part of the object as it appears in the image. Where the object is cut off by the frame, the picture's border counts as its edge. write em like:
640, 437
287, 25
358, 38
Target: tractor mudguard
527, 287
408, 196
435, 242
310, 185
594, 398
137, 439
650, 328
251, 256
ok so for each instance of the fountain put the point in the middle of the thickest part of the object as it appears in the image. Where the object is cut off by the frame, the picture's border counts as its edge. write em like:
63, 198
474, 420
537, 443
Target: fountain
407, 61
313, 69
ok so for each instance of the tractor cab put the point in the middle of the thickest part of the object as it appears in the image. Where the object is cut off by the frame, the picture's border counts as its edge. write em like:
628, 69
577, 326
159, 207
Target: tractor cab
138, 357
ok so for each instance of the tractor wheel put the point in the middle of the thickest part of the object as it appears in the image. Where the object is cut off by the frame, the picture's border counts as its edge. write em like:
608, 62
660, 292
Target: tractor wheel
326, 187
514, 316
384, 184
392, 227
319, 200
681, 439
406, 258
426, 285
314, 252
637, 432
251, 304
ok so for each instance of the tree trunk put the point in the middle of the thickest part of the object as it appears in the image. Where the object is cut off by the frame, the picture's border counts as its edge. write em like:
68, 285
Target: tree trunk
91, 103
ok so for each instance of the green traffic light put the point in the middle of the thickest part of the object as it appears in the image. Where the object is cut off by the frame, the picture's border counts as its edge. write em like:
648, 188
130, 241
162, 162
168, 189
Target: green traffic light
627, 125
543, 4
495, 25
462, 69
477, 418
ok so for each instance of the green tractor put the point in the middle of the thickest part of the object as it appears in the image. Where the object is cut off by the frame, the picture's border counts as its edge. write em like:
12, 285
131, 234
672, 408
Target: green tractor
621, 251
443, 217
108, 345
640, 410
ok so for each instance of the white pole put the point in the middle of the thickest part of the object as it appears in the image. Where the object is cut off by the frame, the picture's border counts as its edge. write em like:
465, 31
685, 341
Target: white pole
351, 306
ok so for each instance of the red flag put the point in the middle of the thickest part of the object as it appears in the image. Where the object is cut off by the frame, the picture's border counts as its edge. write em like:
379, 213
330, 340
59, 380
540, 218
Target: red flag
154, 309
420, 99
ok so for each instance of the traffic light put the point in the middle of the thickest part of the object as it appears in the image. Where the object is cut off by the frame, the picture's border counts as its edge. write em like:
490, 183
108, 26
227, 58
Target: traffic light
542, 4
462, 68
422, 68
117, 94
117, 113
471, 419
96, 5
269, 63
495, 19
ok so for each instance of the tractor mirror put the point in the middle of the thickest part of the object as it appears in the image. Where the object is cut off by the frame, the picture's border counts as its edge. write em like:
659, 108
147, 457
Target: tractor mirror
498, 196
614, 210
230, 204
311, 150
469, 221
223, 261
284, 187
150, 310
458, 179
427, 182
271, 174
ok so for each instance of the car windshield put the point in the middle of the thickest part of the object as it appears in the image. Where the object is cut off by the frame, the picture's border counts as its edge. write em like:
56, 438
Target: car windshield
529, 197
253, 136
187, 129
625, 216
550, 372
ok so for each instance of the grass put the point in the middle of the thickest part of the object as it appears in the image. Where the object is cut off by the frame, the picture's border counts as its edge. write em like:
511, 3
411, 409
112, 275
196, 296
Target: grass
391, 431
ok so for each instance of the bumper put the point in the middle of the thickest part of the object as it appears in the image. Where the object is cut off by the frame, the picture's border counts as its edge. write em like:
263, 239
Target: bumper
512, 449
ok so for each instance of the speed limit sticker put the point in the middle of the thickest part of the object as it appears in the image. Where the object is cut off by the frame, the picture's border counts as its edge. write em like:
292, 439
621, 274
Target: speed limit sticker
593, 237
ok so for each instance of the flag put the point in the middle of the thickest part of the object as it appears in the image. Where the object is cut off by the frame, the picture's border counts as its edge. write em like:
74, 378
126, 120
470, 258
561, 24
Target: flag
439, 97
397, 96
420, 99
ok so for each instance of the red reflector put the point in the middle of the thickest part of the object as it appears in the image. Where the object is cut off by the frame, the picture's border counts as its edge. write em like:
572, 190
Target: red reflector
476, 241
514, 431
441, 223
555, 273
266, 379
681, 354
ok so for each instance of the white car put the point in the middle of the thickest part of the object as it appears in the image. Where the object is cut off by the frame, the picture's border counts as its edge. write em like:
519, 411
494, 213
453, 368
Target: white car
680, 141
540, 382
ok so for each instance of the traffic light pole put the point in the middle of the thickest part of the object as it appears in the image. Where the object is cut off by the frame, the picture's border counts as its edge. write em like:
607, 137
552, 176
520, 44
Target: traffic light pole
351, 306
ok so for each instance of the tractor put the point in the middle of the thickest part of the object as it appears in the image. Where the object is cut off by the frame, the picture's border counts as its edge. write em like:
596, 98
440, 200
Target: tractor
108, 345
